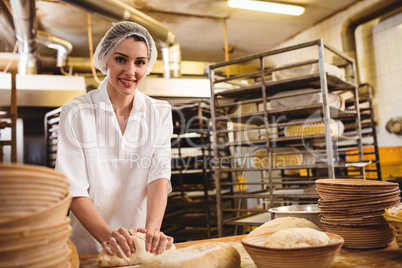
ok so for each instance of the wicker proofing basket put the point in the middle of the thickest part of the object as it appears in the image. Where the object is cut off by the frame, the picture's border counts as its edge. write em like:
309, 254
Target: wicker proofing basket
53, 213
306, 257
395, 223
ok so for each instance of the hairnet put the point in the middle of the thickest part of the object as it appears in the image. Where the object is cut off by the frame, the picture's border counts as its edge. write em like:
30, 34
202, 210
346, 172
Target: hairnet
115, 35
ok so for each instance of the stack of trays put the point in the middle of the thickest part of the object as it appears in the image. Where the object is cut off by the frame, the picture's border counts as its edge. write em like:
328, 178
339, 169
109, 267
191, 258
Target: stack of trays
34, 227
354, 208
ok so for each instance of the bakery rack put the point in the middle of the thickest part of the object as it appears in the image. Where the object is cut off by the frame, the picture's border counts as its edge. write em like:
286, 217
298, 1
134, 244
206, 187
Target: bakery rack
191, 209
267, 166
9, 120
51, 123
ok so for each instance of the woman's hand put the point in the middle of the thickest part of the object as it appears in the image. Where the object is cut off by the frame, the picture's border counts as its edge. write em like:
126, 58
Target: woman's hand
156, 241
120, 242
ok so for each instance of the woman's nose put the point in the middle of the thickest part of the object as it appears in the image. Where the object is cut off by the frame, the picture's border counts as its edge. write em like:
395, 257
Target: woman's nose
130, 68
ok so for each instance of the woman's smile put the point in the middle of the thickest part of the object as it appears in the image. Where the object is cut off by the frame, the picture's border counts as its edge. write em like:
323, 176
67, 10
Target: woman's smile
127, 82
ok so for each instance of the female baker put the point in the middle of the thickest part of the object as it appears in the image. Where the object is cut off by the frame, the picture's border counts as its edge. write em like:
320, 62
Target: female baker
114, 147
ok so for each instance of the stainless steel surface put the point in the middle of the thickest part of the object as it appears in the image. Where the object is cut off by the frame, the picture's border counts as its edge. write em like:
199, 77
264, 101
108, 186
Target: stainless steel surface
309, 212
296, 209
41, 90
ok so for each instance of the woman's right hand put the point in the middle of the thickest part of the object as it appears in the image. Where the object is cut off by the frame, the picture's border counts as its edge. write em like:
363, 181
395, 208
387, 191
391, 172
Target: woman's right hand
120, 242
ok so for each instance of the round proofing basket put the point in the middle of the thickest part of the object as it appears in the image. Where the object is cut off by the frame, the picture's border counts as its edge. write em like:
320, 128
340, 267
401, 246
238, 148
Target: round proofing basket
59, 258
24, 192
54, 213
306, 257
11, 237
395, 223
361, 236
25, 180
27, 253
33, 169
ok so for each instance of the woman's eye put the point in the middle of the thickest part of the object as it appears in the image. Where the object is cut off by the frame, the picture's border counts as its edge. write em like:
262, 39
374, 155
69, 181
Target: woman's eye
140, 62
120, 59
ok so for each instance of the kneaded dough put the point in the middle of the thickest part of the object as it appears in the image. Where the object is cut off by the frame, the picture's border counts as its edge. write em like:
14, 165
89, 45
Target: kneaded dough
140, 255
297, 238
208, 254
284, 223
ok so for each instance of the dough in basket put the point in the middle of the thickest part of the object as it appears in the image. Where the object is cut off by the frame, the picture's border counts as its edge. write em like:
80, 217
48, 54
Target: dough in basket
296, 238
284, 223
140, 255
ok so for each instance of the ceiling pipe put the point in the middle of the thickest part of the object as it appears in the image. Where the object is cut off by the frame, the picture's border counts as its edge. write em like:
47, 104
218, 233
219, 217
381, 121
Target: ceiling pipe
115, 10
376, 10
6, 23
24, 16
62, 46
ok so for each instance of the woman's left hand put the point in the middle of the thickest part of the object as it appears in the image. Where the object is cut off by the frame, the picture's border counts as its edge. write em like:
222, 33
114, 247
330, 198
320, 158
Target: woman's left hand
156, 241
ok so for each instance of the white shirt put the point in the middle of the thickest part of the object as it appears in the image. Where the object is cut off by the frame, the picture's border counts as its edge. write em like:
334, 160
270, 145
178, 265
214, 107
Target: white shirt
110, 168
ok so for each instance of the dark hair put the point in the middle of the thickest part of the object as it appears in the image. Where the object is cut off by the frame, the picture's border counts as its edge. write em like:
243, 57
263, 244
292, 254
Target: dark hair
138, 38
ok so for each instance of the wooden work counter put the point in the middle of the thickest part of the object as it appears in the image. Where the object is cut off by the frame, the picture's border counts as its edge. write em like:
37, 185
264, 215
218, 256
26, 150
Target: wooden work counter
390, 257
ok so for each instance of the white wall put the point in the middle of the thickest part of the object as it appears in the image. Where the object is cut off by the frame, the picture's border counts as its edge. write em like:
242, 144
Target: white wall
379, 57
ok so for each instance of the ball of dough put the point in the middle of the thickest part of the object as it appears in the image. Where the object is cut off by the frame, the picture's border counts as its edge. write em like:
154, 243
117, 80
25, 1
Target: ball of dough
284, 223
297, 238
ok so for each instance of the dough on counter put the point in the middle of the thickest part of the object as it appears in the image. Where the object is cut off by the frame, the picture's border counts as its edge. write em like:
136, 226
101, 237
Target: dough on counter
140, 255
284, 223
208, 254
297, 238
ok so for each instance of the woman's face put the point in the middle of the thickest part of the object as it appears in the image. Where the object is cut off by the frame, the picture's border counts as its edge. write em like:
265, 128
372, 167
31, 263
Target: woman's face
126, 67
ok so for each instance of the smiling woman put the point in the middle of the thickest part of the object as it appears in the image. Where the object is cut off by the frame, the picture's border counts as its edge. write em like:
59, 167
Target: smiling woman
113, 196
125, 70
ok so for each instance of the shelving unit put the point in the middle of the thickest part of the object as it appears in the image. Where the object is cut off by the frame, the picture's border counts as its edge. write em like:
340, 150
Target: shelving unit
190, 213
267, 165
369, 134
9, 120
51, 123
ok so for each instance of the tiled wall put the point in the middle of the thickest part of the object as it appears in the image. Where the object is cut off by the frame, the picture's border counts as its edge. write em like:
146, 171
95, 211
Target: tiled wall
379, 57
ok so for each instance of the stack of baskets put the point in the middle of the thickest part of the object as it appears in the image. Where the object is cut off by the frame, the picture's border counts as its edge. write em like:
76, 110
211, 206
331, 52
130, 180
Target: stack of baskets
34, 227
354, 208
394, 218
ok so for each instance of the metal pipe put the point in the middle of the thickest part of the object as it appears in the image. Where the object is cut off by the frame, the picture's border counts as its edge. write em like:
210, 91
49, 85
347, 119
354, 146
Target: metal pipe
24, 16
6, 23
115, 10
62, 46
348, 30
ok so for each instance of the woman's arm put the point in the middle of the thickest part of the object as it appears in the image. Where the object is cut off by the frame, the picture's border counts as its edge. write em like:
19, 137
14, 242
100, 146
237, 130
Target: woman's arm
157, 201
93, 222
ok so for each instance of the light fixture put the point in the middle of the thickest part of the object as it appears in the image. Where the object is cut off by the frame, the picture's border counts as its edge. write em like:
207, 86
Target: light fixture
267, 7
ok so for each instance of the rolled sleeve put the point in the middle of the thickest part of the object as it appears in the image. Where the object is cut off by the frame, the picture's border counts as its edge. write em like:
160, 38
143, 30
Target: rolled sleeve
161, 159
70, 158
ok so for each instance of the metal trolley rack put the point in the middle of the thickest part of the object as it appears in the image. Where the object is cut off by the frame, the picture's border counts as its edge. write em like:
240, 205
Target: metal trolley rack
264, 167
191, 210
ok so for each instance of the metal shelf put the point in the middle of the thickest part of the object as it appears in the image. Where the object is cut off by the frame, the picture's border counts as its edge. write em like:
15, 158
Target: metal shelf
272, 87
244, 121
